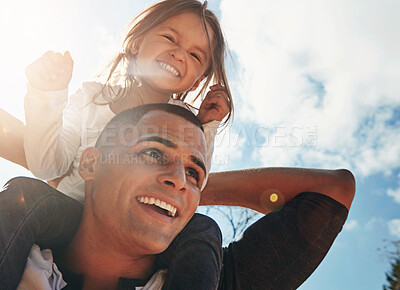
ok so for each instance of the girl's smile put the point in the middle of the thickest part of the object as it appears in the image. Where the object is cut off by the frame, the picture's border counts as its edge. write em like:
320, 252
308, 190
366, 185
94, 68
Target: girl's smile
170, 68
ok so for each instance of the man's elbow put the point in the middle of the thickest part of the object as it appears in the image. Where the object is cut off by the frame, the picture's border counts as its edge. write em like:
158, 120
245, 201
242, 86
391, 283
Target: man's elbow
346, 187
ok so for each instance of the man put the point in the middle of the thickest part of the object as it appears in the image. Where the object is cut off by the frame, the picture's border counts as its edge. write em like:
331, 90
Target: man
161, 157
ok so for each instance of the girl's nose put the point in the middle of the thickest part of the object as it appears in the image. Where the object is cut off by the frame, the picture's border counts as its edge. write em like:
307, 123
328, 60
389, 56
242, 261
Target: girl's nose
178, 53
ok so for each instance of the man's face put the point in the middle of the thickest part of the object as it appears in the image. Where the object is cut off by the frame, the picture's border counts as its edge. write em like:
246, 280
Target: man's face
146, 194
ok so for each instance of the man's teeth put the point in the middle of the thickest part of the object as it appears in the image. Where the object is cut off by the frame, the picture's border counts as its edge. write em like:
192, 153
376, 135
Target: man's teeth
161, 204
170, 69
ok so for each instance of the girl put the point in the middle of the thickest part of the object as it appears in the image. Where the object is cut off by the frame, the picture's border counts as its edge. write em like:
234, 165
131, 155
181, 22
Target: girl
174, 47
169, 51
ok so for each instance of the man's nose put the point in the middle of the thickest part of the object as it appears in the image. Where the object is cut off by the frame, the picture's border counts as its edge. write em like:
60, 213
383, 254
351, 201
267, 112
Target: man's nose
174, 177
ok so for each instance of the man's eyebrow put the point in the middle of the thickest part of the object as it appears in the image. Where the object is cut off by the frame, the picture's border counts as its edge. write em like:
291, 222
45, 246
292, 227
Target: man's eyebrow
158, 139
177, 32
198, 162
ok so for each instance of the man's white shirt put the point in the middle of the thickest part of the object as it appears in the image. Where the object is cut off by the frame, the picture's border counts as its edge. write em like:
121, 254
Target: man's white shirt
41, 273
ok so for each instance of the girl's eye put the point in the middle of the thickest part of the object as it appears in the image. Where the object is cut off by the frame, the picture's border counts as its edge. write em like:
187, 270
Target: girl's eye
196, 56
192, 173
152, 155
168, 38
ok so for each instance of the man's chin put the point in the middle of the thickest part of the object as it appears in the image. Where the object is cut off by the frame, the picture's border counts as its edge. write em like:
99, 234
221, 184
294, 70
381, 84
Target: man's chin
155, 243
159, 246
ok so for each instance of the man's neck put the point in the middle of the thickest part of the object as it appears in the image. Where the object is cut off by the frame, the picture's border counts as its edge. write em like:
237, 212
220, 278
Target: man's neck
102, 263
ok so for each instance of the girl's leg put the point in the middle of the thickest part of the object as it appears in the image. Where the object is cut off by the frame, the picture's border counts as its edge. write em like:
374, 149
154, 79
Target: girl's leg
32, 212
194, 259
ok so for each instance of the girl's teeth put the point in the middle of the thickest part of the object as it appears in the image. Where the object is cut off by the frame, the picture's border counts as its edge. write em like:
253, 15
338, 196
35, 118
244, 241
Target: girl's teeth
170, 69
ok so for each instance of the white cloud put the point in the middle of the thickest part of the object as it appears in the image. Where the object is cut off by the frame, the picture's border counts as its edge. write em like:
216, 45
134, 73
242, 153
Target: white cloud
350, 225
395, 193
332, 65
375, 223
394, 227
228, 147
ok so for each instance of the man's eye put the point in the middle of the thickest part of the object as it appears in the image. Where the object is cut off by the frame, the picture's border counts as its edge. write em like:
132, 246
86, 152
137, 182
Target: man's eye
196, 56
192, 173
152, 155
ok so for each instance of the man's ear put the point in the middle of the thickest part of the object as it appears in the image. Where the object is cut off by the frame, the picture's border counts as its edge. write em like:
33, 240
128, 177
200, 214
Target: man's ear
89, 163
197, 83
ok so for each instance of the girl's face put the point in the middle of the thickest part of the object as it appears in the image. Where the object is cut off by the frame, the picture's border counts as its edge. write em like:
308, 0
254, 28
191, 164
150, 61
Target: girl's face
173, 56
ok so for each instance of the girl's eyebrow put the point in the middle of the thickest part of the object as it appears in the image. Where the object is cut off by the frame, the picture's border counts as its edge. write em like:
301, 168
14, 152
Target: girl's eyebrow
177, 33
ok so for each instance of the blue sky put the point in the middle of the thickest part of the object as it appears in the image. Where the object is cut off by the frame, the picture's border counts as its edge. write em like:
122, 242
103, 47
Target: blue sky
315, 85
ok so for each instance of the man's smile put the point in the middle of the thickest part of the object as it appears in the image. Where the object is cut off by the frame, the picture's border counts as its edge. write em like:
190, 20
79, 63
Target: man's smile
167, 208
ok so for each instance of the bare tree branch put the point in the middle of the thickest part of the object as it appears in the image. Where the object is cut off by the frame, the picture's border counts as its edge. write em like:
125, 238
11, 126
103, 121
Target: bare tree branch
232, 220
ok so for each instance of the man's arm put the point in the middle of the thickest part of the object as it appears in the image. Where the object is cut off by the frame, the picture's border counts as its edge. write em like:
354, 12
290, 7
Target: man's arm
283, 248
266, 189
12, 139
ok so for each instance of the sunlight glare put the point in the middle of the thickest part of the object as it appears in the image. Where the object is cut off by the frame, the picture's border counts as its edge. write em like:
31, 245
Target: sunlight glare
29, 32
273, 197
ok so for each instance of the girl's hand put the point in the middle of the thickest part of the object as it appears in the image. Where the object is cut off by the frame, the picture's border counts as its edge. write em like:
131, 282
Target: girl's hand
51, 72
215, 106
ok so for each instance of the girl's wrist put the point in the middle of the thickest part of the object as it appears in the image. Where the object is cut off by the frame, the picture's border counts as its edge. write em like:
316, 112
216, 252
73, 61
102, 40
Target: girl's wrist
33, 92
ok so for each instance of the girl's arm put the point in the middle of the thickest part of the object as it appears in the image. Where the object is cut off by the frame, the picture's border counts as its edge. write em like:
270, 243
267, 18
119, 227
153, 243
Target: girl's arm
52, 135
210, 131
12, 139
212, 111
267, 189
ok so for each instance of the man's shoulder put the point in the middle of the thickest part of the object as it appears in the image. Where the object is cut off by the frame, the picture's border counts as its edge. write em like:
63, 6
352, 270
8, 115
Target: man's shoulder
32, 191
26, 182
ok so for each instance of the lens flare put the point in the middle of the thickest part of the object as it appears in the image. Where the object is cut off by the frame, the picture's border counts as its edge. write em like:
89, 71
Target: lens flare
273, 197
